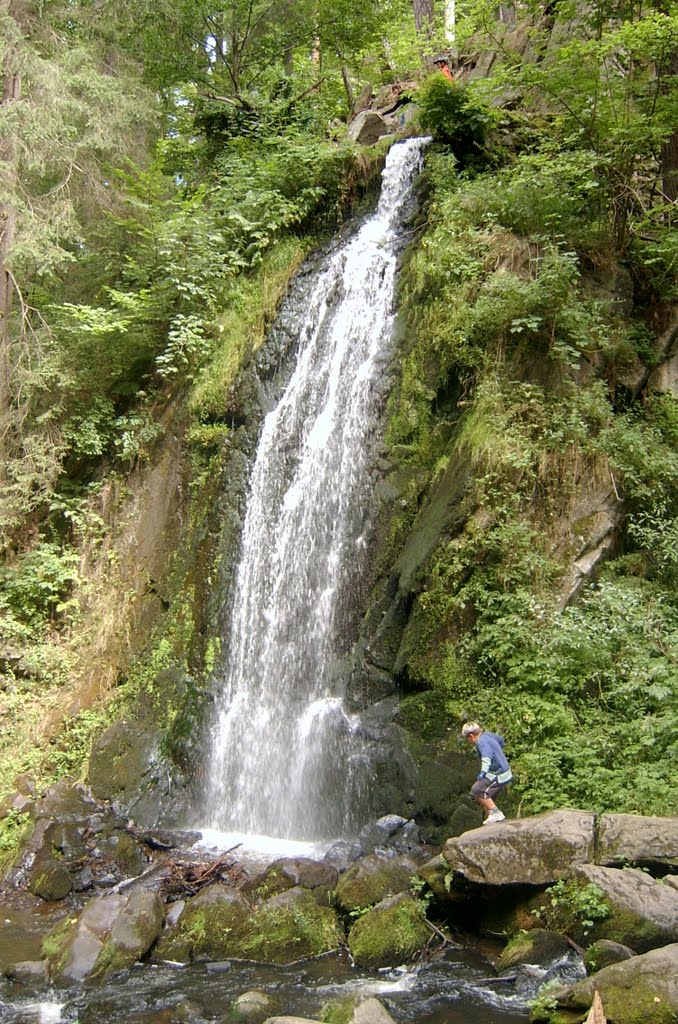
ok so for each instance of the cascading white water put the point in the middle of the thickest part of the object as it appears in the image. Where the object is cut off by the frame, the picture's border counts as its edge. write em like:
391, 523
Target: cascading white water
286, 759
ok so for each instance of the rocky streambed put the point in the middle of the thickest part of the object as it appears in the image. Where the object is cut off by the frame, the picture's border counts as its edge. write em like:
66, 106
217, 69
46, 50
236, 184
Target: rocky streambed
105, 921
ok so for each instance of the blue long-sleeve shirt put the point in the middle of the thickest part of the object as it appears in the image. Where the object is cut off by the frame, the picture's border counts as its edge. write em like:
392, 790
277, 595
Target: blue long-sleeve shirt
493, 763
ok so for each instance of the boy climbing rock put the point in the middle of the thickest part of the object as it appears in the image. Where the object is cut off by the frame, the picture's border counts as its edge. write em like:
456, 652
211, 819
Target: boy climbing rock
495, 772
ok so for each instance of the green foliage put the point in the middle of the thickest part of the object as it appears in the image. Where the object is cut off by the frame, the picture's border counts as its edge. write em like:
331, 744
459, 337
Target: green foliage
34, 591
572, 904
14, 827
455, 115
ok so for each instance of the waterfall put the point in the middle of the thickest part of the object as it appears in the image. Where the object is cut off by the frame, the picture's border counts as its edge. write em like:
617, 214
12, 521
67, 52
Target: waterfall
286, 758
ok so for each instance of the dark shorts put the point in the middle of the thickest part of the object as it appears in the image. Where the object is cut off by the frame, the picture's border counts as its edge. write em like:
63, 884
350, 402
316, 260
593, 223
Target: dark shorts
487, 789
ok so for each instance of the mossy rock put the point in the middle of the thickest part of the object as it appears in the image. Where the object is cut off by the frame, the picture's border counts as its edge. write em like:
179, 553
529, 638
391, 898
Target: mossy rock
50, 879
538, 946
389, 934
371, 879
604, 953
291, 926
212, 926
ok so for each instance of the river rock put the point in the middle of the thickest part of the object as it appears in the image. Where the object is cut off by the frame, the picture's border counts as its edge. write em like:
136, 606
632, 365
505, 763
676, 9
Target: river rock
372, 878
368, 127
34, 973
389, 934
113, 932
641, 990
254, 1007
636, 839
293, 871
291, 926
538, 946
604, 953
343, 853
644, 911
532, 851
370, 1011
211, 926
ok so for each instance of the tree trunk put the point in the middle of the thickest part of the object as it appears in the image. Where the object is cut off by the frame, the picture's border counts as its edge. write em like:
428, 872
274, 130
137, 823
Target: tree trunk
423, 16
669, 153
11, 91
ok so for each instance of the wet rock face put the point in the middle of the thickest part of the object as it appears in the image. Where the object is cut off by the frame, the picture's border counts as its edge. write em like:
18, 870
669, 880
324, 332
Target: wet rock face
289, 872
113, 932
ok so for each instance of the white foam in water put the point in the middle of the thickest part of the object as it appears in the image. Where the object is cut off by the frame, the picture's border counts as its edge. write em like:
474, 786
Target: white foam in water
260, 848
43, 1013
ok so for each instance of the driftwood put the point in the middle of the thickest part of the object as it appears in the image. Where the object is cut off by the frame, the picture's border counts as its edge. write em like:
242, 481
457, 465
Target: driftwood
596, 1015
188, 877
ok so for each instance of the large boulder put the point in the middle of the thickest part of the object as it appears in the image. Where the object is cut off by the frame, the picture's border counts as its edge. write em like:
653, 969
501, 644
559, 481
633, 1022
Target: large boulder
292, 926
372, 878
531, 851
112, 933
641, 990
643, 911
289, 872
368, 127
220, 924
389, 934
211, 926
635, 839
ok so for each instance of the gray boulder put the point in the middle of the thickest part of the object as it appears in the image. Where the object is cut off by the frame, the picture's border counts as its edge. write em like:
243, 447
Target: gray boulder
254, 1007
531, 851
112, 933
370, 1011
636, 839
643, 911
643, 988
604, 953
368, 127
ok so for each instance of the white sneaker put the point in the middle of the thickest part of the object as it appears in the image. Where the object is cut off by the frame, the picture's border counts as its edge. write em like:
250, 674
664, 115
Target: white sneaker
494, 816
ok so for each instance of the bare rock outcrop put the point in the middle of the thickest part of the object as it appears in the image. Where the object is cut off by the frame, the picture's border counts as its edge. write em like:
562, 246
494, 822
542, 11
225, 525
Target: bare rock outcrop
637, 839
531, 851
644, 911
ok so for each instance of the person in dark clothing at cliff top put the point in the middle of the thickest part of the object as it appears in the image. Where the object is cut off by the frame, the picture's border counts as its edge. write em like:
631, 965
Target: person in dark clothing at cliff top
495, 772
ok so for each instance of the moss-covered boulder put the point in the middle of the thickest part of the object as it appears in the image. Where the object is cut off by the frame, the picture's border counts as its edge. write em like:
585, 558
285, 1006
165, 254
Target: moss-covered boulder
538, 946
219, 923
212, 926
112, 933
641, 990
372, 878
604, 953
643, 912
291, 926
390, 933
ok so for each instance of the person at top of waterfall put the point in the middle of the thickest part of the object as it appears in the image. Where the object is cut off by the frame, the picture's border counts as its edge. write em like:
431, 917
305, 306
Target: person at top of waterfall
495, 771
443, 66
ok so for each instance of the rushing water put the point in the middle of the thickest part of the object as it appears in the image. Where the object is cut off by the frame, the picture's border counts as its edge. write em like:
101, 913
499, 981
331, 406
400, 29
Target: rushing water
286, 758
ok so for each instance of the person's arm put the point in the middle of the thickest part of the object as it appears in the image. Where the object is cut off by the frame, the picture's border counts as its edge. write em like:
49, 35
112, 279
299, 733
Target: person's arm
485, 756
